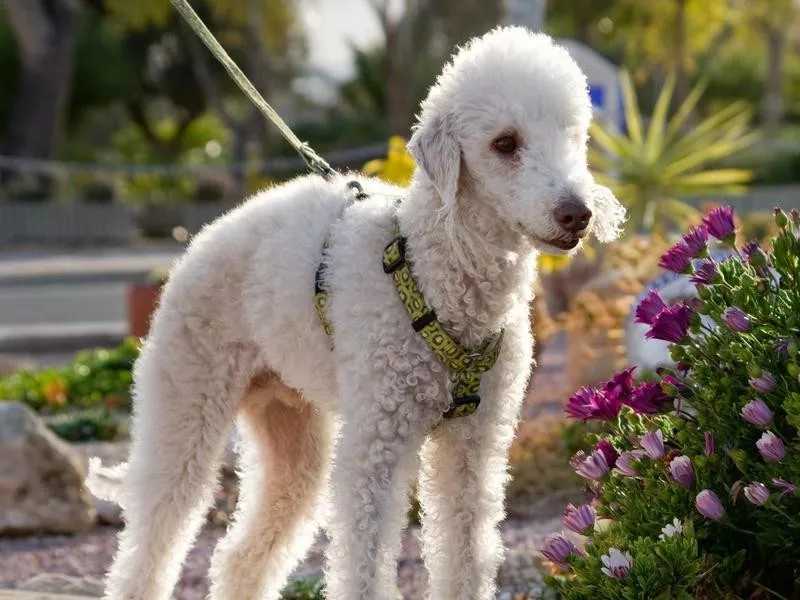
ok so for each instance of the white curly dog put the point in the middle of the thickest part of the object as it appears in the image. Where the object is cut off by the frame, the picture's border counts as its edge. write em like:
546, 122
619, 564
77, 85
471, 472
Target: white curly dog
501, 149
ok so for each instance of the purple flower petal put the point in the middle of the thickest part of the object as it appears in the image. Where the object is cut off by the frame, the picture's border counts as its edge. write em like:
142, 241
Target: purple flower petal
788, 488
593, 466
609, 452
709, 506
653, 444
624, 464
649, 307
682, 471
648, 399
677, 259
579, 519
756, 493
558, 549
757, 412
588, 404
671, 325
735, 318
695, 240
705, 273
720, 223
764, 384
771, 447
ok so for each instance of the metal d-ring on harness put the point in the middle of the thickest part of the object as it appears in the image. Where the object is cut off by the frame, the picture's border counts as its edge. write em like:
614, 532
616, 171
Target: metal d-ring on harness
467, 366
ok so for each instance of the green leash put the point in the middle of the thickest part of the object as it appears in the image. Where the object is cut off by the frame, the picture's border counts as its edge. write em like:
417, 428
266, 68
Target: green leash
314, 161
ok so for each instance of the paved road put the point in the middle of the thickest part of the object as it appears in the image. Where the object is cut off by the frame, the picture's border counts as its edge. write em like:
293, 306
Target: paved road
62, 303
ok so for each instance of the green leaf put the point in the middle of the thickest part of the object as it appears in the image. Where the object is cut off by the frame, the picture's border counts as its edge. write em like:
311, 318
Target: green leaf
633, 118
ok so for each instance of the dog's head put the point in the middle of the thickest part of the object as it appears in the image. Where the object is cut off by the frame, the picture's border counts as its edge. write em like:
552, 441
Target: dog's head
508, 117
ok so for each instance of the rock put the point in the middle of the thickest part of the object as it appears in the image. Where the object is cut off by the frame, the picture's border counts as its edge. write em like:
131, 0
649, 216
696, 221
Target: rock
56, 583
41, 478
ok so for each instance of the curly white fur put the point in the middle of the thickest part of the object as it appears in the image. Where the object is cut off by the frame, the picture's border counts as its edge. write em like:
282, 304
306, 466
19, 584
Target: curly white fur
236, 334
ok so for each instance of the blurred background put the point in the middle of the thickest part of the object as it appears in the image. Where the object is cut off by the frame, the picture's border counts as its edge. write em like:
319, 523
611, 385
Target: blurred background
121, 136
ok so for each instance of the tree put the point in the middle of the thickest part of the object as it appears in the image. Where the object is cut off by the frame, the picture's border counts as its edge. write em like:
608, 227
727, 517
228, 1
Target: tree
772, 21
669, 35
263, 36
578, 18
45, 32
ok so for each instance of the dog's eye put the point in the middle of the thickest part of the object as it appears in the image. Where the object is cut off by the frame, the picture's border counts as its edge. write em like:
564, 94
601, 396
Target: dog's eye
505, 144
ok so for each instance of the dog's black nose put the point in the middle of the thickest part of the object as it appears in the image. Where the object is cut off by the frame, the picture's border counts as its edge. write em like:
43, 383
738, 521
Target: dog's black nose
572, 214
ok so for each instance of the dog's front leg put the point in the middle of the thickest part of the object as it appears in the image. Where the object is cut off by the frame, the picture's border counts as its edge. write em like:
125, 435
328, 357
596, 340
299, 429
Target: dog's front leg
463, 478
375, 458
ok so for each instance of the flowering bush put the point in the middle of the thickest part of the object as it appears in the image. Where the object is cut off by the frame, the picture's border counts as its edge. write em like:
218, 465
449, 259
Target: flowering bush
694, 481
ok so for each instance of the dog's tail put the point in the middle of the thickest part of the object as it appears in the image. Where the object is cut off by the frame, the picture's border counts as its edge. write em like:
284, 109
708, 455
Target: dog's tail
105, 482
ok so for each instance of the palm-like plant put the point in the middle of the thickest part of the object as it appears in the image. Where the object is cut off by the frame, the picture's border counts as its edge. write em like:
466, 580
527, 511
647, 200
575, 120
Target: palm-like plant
651, 170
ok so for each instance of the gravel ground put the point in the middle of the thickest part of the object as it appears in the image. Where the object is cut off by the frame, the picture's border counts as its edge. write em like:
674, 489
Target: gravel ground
88, 555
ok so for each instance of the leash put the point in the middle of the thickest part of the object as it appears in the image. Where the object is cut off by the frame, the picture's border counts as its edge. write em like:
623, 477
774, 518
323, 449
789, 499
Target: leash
314, 161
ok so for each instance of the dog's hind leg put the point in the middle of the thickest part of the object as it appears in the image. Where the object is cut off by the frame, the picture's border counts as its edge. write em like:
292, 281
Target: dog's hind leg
284, 461
183, 411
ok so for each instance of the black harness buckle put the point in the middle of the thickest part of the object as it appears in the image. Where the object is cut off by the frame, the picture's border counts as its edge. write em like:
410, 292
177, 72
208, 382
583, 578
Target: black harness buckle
400, 243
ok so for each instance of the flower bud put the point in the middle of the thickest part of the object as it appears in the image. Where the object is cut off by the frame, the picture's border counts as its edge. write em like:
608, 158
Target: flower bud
793, 369
780, 218
708, 505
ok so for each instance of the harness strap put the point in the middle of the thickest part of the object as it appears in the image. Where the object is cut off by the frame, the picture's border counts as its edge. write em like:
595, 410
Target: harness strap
467, 366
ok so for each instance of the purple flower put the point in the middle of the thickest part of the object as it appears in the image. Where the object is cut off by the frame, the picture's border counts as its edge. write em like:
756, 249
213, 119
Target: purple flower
653, 444
757, 412
720, 224
609, 452
709, 437
756, 493
709, 506
677, 259
764, 384
771, 447
682, 471
649, 307
616, 564
695, 240
671, 325
736, 319
557, 549
705, 273
592, 404
579, 519
624, 465
593, 466
788, 488
648, 399
619, 387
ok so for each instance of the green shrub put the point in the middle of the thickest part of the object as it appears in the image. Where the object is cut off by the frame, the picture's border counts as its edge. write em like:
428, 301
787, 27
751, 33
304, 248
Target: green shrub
93, 379
695, 476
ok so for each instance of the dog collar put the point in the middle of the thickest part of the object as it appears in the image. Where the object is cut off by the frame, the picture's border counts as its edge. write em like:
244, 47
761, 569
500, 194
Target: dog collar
467, 366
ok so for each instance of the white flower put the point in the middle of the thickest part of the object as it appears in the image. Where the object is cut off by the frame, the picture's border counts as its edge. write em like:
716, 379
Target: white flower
617, 564
671, 529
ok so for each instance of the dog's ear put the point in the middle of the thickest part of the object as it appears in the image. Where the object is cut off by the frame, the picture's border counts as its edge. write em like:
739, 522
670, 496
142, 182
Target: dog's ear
436, 151
609, 214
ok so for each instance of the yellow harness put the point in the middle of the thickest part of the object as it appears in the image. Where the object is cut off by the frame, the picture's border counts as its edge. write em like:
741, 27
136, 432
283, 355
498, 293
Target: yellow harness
466, 366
